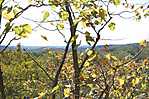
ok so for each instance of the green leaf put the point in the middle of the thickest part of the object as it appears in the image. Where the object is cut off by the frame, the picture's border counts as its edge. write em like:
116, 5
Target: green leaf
45, 15
112, 26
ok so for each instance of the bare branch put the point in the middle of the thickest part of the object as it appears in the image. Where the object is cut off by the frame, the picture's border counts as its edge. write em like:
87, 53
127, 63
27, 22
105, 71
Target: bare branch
8, 44
94, 45
38, 64
55, 81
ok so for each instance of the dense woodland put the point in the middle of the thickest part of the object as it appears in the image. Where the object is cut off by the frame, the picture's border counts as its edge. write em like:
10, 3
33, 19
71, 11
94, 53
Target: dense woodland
74, 71
30, 73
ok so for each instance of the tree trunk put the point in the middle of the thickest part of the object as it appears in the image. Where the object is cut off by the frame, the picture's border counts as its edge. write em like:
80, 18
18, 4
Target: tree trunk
2, 88
73, 27
76, 71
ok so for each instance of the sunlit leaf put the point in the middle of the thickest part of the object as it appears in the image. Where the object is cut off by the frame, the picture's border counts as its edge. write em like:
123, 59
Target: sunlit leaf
45, 15
135, 81
63, 15
92, 57
55, 88
112, 26
114, 57
8, 15
60, 26
74, 38
143, 43
67, 92
87, 63
116, 2
1, 1
121, 81
27, 28
94, 75
108, 56
89, 52
22, 30
17, 29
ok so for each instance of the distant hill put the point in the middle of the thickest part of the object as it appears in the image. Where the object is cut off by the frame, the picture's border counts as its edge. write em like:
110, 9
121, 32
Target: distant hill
118, 50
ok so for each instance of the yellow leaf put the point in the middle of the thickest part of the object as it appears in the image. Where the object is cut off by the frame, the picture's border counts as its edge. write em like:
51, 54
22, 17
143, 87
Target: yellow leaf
135, 81
64, 15
45, 15
94, 75
108, 56
116, 2
89, 52
60, 26
41, 94
22, 30
8, 15
86, 64
114, 57
27, 28
143, 43
112, 26
67, 92
121, 81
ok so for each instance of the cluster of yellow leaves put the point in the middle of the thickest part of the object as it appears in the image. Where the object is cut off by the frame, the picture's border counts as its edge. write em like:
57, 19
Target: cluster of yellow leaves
8, 15
60, 26
22, 30
109, 56
64, 15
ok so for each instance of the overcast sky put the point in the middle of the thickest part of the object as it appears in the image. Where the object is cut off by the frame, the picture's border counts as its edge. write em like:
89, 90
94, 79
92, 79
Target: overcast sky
127, 31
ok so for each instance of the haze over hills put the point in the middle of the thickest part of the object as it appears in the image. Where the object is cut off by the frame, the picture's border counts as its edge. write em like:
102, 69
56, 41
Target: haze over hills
112, 46
118, 50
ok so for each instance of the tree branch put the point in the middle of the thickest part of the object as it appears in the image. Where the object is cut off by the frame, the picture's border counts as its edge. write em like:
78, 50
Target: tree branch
94, 45
38, 64
8, 44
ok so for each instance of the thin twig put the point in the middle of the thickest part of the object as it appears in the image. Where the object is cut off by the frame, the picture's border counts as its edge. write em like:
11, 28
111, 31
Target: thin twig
38, 64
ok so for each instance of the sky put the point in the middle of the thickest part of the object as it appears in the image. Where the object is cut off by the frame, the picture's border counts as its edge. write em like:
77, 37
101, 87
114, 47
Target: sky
127, 31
